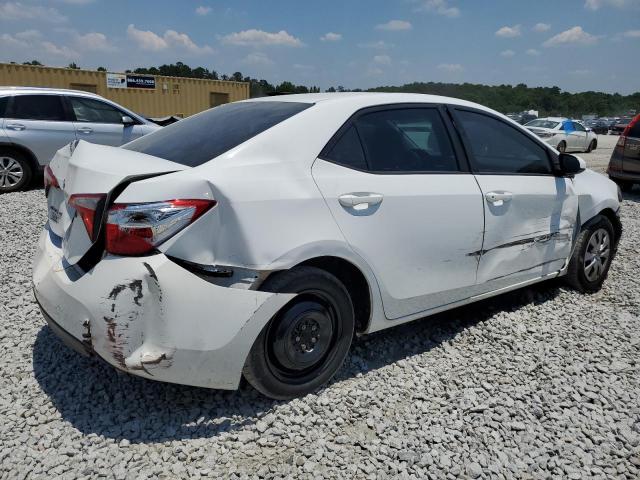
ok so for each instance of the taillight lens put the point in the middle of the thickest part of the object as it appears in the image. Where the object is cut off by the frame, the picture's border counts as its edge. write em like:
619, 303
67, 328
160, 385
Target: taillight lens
86, 204
623, 137
137, 228
50, 180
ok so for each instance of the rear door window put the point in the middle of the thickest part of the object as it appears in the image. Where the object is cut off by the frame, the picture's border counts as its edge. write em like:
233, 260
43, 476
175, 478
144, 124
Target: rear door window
406, 140
37, 107
4, 101
200, 138
348, 151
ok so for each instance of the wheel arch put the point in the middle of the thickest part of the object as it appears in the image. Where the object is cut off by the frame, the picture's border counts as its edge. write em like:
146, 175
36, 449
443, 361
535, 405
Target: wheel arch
354, 280
28, 154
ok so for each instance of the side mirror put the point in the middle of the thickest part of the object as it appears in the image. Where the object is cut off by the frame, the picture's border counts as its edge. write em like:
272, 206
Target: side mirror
127, 121
589, 129
571, 164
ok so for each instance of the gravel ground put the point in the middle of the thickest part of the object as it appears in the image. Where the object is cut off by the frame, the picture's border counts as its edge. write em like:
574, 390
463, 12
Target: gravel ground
599, 158
538, 383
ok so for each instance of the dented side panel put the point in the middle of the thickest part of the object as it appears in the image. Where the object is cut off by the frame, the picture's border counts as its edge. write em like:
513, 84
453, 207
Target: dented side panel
531, 234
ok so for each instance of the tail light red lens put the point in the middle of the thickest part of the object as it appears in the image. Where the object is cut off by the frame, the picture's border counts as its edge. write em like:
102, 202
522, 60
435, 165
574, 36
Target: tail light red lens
137, 228
50, 180
86, 204
627, 131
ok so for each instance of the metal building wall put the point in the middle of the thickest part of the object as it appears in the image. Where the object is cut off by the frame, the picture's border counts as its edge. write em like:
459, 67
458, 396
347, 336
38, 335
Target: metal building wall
172, 95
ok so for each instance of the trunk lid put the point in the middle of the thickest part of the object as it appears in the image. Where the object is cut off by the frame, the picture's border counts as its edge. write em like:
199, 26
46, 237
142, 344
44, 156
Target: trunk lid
87, 168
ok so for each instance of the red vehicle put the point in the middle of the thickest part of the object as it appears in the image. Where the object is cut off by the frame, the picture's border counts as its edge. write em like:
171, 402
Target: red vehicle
624, 165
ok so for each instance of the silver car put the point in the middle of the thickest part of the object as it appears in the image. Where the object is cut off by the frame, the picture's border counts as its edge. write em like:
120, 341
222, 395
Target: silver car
36, 122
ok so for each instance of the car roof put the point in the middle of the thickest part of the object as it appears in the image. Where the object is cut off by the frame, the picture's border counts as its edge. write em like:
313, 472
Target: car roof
45, 90
364, 99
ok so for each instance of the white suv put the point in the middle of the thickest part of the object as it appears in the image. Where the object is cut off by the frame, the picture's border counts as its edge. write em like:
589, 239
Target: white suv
258, 237
36, 122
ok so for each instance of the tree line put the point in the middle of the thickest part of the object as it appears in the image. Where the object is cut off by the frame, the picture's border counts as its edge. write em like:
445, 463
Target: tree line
504, 98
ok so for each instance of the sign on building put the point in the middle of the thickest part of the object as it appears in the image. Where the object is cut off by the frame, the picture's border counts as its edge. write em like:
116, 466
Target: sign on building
120, 80
116, 80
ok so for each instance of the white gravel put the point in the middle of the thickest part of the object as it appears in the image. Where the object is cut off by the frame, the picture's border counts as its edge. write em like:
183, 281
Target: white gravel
539, 383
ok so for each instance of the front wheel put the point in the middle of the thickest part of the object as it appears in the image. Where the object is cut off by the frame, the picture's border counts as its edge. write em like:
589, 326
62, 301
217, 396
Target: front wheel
592, 256
592, 146
303, 346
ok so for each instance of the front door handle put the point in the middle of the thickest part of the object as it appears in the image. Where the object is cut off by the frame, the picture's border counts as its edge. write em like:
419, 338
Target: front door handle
85, 130
498, 198
15, 126
360, 200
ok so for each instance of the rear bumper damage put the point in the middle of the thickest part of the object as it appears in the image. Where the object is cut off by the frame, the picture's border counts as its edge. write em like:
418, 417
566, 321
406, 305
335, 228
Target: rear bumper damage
150, 317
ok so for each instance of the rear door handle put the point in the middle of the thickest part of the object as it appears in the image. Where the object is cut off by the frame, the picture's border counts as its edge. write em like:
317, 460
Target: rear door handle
15, 126
85, 130
498, 198
360, 200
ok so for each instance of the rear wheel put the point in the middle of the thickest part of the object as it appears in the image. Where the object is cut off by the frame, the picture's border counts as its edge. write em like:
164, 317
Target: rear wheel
303, 346
592, 146
15, 171
562, 146
594, 250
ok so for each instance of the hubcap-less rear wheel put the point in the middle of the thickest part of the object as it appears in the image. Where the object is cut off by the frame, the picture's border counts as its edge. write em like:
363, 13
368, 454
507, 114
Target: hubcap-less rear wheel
298, 343
305, 343
11, 172
597, 255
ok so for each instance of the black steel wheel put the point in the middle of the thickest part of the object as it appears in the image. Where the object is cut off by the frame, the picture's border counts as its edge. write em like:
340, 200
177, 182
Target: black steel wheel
302, 347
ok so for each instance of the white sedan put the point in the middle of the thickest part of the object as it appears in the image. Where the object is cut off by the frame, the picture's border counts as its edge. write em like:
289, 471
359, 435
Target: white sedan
258, 237
564, 134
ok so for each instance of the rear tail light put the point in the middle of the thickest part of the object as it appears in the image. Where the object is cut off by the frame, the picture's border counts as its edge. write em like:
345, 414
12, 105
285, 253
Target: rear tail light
623, 136
50, 180
86, 204
137, 228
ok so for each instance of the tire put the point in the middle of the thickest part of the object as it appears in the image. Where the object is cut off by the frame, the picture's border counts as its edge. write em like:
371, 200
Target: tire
592, 240
15, 171
562, 146
281, 365
592, 146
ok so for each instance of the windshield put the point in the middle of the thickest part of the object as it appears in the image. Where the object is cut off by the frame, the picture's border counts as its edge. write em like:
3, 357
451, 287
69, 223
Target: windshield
204, 136
542, 124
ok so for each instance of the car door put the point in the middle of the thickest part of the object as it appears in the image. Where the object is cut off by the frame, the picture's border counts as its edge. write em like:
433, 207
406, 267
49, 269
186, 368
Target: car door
40, 123
581, 137
100, 122
392, 179
530, 214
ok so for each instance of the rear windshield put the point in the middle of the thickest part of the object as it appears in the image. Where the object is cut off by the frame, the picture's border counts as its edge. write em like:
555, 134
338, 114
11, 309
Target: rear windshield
200, 138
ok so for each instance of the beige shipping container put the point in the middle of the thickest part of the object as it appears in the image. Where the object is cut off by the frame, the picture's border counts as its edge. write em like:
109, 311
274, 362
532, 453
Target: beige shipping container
171, 96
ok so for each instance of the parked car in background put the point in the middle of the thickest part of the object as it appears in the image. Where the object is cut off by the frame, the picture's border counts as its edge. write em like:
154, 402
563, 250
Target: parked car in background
256, 238
620, 125
598, 126
624, 165
36, 122
522, 118
564, 134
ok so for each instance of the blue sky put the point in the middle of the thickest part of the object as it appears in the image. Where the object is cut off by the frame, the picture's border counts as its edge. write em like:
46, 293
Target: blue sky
575, 44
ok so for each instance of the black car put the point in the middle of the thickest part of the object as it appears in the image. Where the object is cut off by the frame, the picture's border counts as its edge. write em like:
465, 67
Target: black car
624, 166
599, 127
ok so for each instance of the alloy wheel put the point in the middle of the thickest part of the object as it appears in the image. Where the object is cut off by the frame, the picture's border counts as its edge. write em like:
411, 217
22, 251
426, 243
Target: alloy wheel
597, 254
11, 172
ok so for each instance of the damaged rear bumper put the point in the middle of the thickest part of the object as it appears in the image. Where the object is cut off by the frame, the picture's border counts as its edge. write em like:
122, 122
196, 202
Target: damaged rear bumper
150, 317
